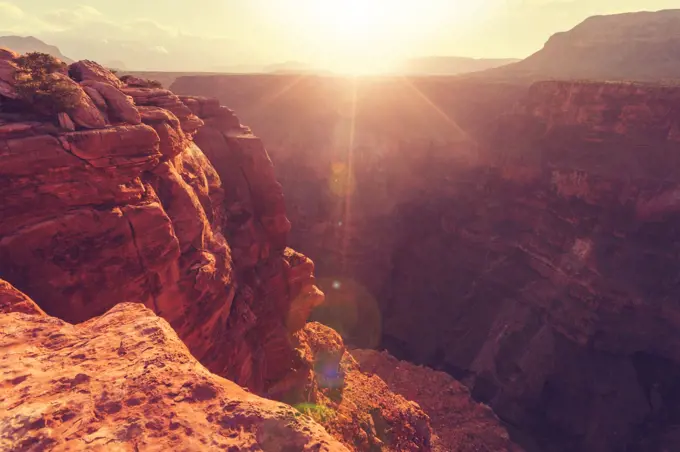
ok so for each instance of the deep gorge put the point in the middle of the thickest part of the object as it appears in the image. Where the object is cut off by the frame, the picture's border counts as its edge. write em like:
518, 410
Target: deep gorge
531, 257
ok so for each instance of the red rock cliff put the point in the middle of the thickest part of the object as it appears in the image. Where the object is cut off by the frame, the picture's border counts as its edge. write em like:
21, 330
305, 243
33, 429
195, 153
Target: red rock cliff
114, 202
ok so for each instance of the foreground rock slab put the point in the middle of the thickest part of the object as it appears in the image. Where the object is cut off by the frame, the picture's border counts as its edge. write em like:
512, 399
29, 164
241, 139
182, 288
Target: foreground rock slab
124, 381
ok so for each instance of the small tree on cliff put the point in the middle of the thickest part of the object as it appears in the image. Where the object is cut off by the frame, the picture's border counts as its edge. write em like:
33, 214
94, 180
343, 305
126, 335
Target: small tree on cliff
141, 82
38, 90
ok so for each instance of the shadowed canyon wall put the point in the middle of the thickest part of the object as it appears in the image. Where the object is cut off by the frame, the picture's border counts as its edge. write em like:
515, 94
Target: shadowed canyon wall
533, 256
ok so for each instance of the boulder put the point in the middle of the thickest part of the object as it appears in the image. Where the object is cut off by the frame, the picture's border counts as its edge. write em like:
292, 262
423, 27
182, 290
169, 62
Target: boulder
97, 98
85, 113
121, 106
89, 70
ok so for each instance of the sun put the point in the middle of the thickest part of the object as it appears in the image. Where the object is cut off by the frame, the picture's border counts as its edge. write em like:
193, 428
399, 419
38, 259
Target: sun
360, 36
366, 36
352, 20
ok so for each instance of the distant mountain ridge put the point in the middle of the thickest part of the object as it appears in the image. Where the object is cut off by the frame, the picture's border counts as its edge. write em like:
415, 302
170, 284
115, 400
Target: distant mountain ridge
631, 46
25, 44
451, 65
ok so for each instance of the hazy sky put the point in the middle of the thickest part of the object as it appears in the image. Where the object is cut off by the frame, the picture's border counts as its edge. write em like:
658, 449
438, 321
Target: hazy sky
338, 34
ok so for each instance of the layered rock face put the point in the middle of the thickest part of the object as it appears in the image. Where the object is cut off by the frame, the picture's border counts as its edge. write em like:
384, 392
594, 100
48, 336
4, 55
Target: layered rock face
125, 380
113, 202
541, 271
134, 211
554, 269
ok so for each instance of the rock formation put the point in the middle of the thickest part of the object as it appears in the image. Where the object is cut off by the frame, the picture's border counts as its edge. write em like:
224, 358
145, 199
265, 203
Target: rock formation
539, 270
112, 202
125, 381
459, 423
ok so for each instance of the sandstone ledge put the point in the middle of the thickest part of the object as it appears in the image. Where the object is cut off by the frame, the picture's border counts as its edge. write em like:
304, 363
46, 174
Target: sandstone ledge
125, 381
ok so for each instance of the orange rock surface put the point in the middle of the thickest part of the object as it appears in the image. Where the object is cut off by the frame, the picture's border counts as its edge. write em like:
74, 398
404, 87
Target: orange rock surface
459, 423
125, 381
356, 407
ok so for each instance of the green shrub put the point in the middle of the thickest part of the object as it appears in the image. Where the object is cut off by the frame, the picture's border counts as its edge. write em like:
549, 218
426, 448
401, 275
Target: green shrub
141, 82
38, 90
319, 413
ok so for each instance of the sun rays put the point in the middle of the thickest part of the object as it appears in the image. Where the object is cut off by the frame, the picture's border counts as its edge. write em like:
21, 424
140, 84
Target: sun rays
408, 83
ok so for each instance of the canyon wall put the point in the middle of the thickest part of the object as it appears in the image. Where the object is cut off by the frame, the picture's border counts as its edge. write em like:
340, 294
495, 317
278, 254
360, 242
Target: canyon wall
535, 261
547, 280
139, 247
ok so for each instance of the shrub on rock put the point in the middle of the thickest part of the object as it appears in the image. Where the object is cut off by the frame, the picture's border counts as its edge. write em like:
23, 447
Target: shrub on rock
138, 82
38, 90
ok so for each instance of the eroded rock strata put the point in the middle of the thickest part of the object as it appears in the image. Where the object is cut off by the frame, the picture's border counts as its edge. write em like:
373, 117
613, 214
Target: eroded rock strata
114, 202
540, 270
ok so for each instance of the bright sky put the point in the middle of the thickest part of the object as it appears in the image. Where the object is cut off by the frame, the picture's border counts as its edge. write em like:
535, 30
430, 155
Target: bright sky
335, 34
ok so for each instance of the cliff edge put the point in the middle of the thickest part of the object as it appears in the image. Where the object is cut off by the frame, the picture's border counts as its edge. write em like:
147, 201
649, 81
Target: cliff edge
110, 201
124, 380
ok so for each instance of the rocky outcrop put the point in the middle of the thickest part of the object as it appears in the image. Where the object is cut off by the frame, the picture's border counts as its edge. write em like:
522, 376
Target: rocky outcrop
354, 406
95, 215
91, 71
155, 97
459, 423
145, 188
540, 272
126, 381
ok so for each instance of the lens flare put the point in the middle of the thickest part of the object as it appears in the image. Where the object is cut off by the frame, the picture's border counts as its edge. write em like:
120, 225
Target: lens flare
351, 310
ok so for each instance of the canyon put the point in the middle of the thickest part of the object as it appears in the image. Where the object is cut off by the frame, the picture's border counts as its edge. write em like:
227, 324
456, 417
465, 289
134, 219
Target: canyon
522, 238
149, 299
483, 262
